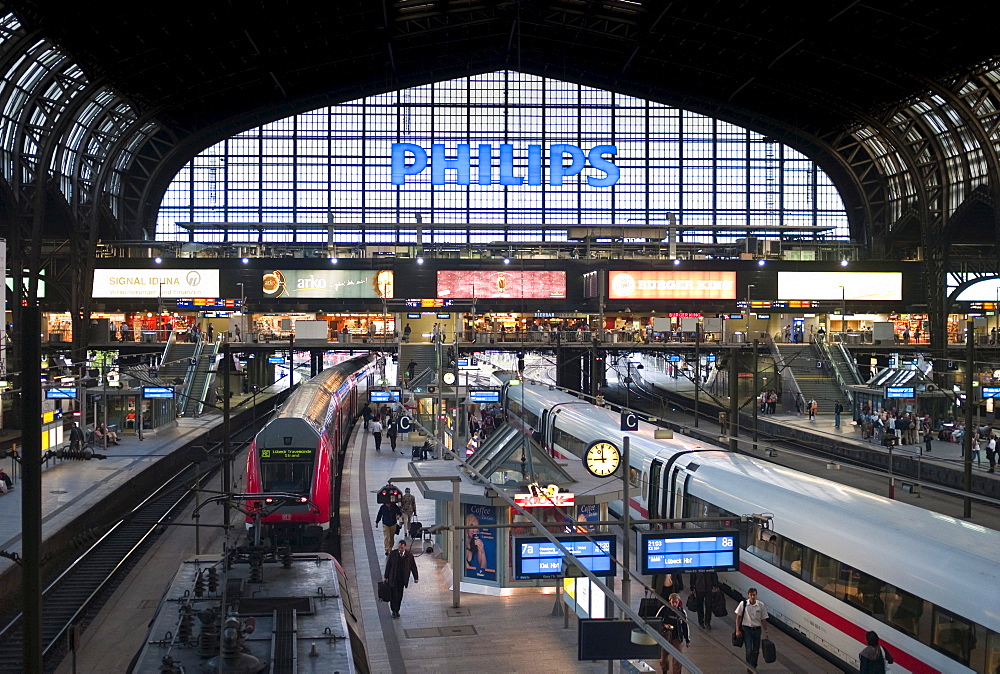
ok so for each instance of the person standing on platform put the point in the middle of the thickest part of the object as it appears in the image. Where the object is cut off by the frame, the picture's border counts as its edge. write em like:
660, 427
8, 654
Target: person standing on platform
408, 506
676, 631
76, 438
391, 432
211, 332
751, 618
838, 409
406, 333
366, 413
704, 584
874, 657
812, 407
991, 452
928, 440
376, 428
399, 566
388, 515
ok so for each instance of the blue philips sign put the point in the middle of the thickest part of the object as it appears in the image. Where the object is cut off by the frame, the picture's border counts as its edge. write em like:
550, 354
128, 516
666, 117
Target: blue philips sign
462, 164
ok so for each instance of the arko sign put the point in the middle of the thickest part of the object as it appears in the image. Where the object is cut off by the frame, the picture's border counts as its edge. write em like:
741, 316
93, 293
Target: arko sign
409, 159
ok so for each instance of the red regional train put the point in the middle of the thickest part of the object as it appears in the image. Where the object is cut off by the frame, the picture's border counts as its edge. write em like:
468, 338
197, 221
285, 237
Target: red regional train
300, 451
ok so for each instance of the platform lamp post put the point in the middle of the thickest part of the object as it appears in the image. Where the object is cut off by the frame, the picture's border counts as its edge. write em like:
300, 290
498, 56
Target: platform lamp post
843, 313
243, 302
750, 286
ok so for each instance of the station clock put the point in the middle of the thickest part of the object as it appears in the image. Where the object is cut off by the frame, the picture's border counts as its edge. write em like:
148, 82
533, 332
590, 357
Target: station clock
602, 459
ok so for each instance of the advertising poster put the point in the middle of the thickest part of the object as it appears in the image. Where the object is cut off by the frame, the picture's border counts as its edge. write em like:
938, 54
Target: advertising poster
501, 285
328, 283
156, 283
480, 544
672, 285
840, 285
590, 512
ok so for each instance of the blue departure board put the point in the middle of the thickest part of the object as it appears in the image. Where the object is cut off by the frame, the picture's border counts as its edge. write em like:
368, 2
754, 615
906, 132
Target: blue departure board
538, 557
689, 550
383, 396
990, 392
899, 392
484, 395
157, 393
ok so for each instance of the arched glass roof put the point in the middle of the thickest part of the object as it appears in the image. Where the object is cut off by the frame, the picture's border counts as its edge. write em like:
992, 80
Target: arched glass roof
333, 164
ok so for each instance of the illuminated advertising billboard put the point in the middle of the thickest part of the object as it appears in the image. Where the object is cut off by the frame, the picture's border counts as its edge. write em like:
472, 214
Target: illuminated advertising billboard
672, 285
156, 283
501, 285
840, 285
328, 283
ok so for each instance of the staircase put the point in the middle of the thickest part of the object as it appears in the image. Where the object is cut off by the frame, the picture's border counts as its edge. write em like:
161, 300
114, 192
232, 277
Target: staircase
423, 354
844, 362
175, 364
203, 374
813, 382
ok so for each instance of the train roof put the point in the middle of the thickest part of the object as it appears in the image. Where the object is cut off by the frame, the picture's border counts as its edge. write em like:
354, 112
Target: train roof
941, 558
938, 557
311, 400
311, 586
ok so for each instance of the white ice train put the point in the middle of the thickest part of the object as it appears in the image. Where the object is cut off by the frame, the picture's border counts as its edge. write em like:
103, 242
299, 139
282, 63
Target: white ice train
836, 562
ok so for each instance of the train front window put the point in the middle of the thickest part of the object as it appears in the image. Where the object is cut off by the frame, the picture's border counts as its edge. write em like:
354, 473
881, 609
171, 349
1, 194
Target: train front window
287, 476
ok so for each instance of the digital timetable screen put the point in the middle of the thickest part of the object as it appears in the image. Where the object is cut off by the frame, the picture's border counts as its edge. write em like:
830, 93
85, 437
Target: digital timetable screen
537, 557
689, 550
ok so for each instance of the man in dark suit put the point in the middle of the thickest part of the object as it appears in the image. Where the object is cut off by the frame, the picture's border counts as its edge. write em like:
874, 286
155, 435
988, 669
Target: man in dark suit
398, 567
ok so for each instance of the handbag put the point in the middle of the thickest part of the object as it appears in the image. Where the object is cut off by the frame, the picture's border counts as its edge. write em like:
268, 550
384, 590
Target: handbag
648, 607
719, 604
767, 650
383, 591
692, 602
737, 640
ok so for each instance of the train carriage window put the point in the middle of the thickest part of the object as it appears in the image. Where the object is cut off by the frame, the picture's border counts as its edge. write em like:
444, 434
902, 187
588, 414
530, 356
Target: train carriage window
953, 636
862, 591
288, 476
824, 572
904, 611
633, 476
645, 484
791, 556
992, 652
568, 442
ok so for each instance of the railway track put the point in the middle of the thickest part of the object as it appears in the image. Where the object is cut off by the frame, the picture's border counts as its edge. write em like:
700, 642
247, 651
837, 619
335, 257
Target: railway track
79, 591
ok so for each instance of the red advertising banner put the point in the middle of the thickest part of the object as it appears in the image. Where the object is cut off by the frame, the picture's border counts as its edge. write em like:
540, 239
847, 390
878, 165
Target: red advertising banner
672, 285
506, 285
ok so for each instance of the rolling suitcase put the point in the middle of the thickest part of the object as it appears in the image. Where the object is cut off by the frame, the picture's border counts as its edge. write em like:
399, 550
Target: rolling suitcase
383, 591
767, 650
415, 453
415, 528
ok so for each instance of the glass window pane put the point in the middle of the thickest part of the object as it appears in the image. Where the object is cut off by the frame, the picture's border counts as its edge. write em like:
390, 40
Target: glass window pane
953, 636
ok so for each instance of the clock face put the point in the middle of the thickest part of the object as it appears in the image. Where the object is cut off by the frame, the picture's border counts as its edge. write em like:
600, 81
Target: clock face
602, 459
449, 378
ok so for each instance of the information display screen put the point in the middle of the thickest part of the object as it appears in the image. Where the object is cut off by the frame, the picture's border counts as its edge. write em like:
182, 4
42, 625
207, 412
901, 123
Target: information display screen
991, 391
60, 393
276, 360
384, 396
328, 283
537, 557
287, 453
689, 550
899, 392
484, 395
515, 285
672, 285
840, 285
157, 393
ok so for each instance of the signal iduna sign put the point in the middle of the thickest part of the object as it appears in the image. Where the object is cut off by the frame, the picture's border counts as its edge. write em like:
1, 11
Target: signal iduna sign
156, 283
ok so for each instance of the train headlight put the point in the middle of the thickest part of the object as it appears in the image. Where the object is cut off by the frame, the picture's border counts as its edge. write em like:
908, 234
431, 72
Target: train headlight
303, 499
